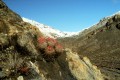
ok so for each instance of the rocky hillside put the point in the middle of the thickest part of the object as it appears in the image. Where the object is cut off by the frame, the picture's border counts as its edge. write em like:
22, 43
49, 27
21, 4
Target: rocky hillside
101, 44
25, 54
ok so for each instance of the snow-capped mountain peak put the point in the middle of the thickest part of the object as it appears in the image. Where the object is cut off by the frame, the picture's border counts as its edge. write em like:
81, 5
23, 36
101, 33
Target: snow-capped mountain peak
49, 31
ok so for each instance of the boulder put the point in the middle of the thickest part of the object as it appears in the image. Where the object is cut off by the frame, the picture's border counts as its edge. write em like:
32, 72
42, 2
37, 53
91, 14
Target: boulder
20, 78
82, 69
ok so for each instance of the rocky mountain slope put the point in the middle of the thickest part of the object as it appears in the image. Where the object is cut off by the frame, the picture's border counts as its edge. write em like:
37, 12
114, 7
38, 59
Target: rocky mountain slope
25, 54
101, 44
49, 31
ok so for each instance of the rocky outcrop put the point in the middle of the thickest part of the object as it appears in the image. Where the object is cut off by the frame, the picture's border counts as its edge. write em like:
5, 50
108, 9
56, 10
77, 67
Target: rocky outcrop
82, 69
8, 14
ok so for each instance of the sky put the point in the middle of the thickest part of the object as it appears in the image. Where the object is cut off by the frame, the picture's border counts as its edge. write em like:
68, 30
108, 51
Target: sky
65, 15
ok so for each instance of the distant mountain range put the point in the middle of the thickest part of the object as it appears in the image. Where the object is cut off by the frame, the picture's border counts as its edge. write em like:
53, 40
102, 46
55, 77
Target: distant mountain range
49, 31
55, 33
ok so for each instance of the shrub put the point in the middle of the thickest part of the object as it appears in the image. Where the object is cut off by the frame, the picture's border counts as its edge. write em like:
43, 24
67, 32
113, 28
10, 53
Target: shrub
58, 48
42, 42
51, 41
49, 47
49, 50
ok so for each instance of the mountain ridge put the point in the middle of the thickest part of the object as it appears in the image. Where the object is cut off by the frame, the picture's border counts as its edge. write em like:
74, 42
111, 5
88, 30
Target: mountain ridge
55, 33
48, 30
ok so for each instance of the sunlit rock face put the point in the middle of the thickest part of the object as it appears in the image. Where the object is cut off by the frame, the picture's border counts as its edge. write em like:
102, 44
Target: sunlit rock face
82, 69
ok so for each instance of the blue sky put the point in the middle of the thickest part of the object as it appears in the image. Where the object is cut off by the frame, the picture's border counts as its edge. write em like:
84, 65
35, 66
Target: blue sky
65, 15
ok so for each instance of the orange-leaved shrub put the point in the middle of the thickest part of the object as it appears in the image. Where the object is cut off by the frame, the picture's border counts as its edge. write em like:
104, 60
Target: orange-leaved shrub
42, 42
51, 41
49, 46
49, 50
58, 48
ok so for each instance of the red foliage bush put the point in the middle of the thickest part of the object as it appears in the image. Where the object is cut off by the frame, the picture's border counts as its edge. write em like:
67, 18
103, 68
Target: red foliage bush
51, 41
58, 48
49, 46
42, 42
49, 50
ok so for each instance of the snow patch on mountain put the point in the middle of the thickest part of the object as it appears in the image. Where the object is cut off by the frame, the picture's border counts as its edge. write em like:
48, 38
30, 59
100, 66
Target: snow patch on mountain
49, 31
